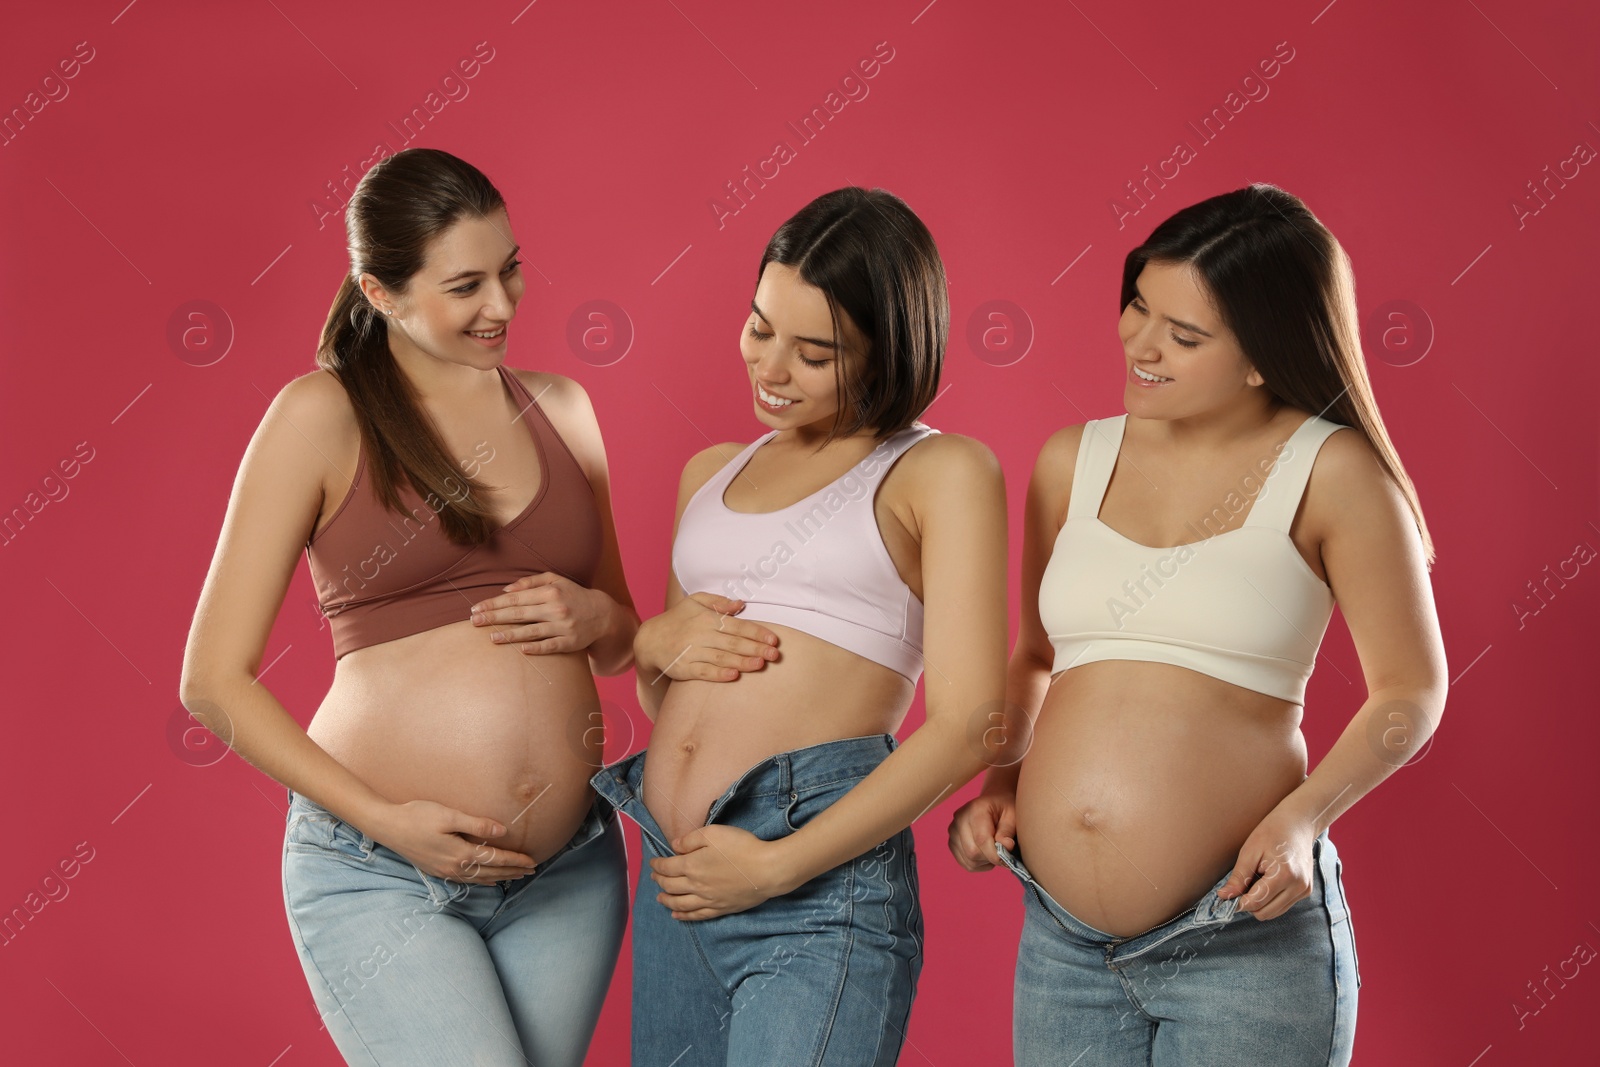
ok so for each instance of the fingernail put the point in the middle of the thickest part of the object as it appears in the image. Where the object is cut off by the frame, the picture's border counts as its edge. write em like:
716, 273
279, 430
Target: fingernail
497, 637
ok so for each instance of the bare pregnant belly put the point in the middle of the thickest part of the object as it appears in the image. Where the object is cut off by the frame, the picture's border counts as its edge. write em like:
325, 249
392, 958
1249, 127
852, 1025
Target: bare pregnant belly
1142, 783
447, 715
709, 733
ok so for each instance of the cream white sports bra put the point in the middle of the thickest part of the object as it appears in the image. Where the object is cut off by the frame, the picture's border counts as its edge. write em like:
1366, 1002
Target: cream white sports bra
1241, 606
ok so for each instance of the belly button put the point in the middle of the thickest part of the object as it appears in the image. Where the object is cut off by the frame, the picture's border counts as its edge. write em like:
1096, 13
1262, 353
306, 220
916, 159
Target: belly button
529, 791
688, 747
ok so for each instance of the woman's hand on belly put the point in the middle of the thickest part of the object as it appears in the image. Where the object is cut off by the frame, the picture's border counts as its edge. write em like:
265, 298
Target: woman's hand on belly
720, 870
545, 613
698, 638
1274, 867
430, 836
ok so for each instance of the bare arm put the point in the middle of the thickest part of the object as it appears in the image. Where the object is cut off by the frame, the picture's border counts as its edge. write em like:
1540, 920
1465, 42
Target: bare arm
1374, 560
1028, 673
991, 816
276, 498
612, 652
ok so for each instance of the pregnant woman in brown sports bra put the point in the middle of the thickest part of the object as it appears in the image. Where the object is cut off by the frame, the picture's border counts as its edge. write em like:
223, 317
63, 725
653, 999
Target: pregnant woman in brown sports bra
454, 888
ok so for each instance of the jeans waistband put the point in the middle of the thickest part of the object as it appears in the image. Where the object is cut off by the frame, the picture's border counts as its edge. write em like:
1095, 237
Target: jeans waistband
795, 771
1209, 910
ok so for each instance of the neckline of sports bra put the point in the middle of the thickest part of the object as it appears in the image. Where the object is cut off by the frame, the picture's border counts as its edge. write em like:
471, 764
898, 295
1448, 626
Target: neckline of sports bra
538, 447
750, 454
1293, 548
1101, 503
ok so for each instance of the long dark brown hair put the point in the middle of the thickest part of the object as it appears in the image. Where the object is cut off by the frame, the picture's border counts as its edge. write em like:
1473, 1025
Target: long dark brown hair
398, 207
1283, 284
876, 261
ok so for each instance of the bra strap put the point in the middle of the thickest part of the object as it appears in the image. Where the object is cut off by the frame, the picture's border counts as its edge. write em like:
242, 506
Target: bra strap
1097, 457
719, 482
1279, 499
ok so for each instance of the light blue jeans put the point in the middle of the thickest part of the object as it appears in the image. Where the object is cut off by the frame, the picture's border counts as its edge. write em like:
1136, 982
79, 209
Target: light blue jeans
1213, 987
821, 977
407, 968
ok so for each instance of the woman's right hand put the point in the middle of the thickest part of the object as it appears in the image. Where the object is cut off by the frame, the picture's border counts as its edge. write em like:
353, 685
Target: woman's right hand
443, 842
976, 826
698, 637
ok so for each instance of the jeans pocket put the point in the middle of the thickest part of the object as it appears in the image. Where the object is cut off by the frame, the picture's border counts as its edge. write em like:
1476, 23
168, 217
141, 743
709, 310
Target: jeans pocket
322, 831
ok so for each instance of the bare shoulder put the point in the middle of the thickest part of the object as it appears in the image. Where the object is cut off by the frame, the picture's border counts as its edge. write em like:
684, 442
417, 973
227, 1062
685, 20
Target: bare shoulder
318, 395
1059, 453
1346, 463
704, 464
950, 459
945, 474
1346, 455
563, 400
565, 403
1348, 483
319, 411
1050, 486
554, 392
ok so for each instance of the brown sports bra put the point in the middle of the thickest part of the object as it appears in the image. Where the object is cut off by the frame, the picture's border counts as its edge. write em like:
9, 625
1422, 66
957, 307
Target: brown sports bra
381, 575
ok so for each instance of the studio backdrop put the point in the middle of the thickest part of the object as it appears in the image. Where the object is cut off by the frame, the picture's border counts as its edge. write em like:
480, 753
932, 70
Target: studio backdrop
172, 182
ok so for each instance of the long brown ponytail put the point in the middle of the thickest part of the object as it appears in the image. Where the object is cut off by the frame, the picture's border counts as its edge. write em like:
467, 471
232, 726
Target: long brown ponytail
400, 205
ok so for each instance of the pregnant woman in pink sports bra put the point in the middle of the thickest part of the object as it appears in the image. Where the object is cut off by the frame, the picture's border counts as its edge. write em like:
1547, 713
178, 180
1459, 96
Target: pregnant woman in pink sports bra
1184, 905
776, 920
455, 890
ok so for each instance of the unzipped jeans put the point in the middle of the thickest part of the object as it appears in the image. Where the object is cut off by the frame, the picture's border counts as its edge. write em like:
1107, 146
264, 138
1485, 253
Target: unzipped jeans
819, 977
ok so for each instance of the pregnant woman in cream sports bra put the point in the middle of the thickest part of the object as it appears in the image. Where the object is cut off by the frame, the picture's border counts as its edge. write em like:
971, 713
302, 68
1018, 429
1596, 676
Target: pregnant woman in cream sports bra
1184, 903
776, 920
454, 888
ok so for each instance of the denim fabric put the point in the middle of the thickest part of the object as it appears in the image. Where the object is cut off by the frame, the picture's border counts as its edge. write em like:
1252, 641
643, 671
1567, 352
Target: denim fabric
407, 968
1214, 986
821, 976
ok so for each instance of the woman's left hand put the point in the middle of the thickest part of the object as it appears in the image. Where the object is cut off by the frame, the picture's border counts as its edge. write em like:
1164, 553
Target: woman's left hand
719, 870
1279, 851
546, 613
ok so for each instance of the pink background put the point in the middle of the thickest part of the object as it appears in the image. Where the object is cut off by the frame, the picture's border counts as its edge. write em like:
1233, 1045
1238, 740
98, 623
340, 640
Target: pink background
185, 161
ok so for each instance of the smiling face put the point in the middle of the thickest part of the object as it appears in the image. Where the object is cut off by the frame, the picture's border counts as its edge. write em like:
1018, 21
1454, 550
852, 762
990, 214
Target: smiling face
791, 355
1171, 331
469, 283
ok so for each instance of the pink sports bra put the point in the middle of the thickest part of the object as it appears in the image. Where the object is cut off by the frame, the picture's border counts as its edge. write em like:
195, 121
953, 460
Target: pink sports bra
818, 565
1241, 606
